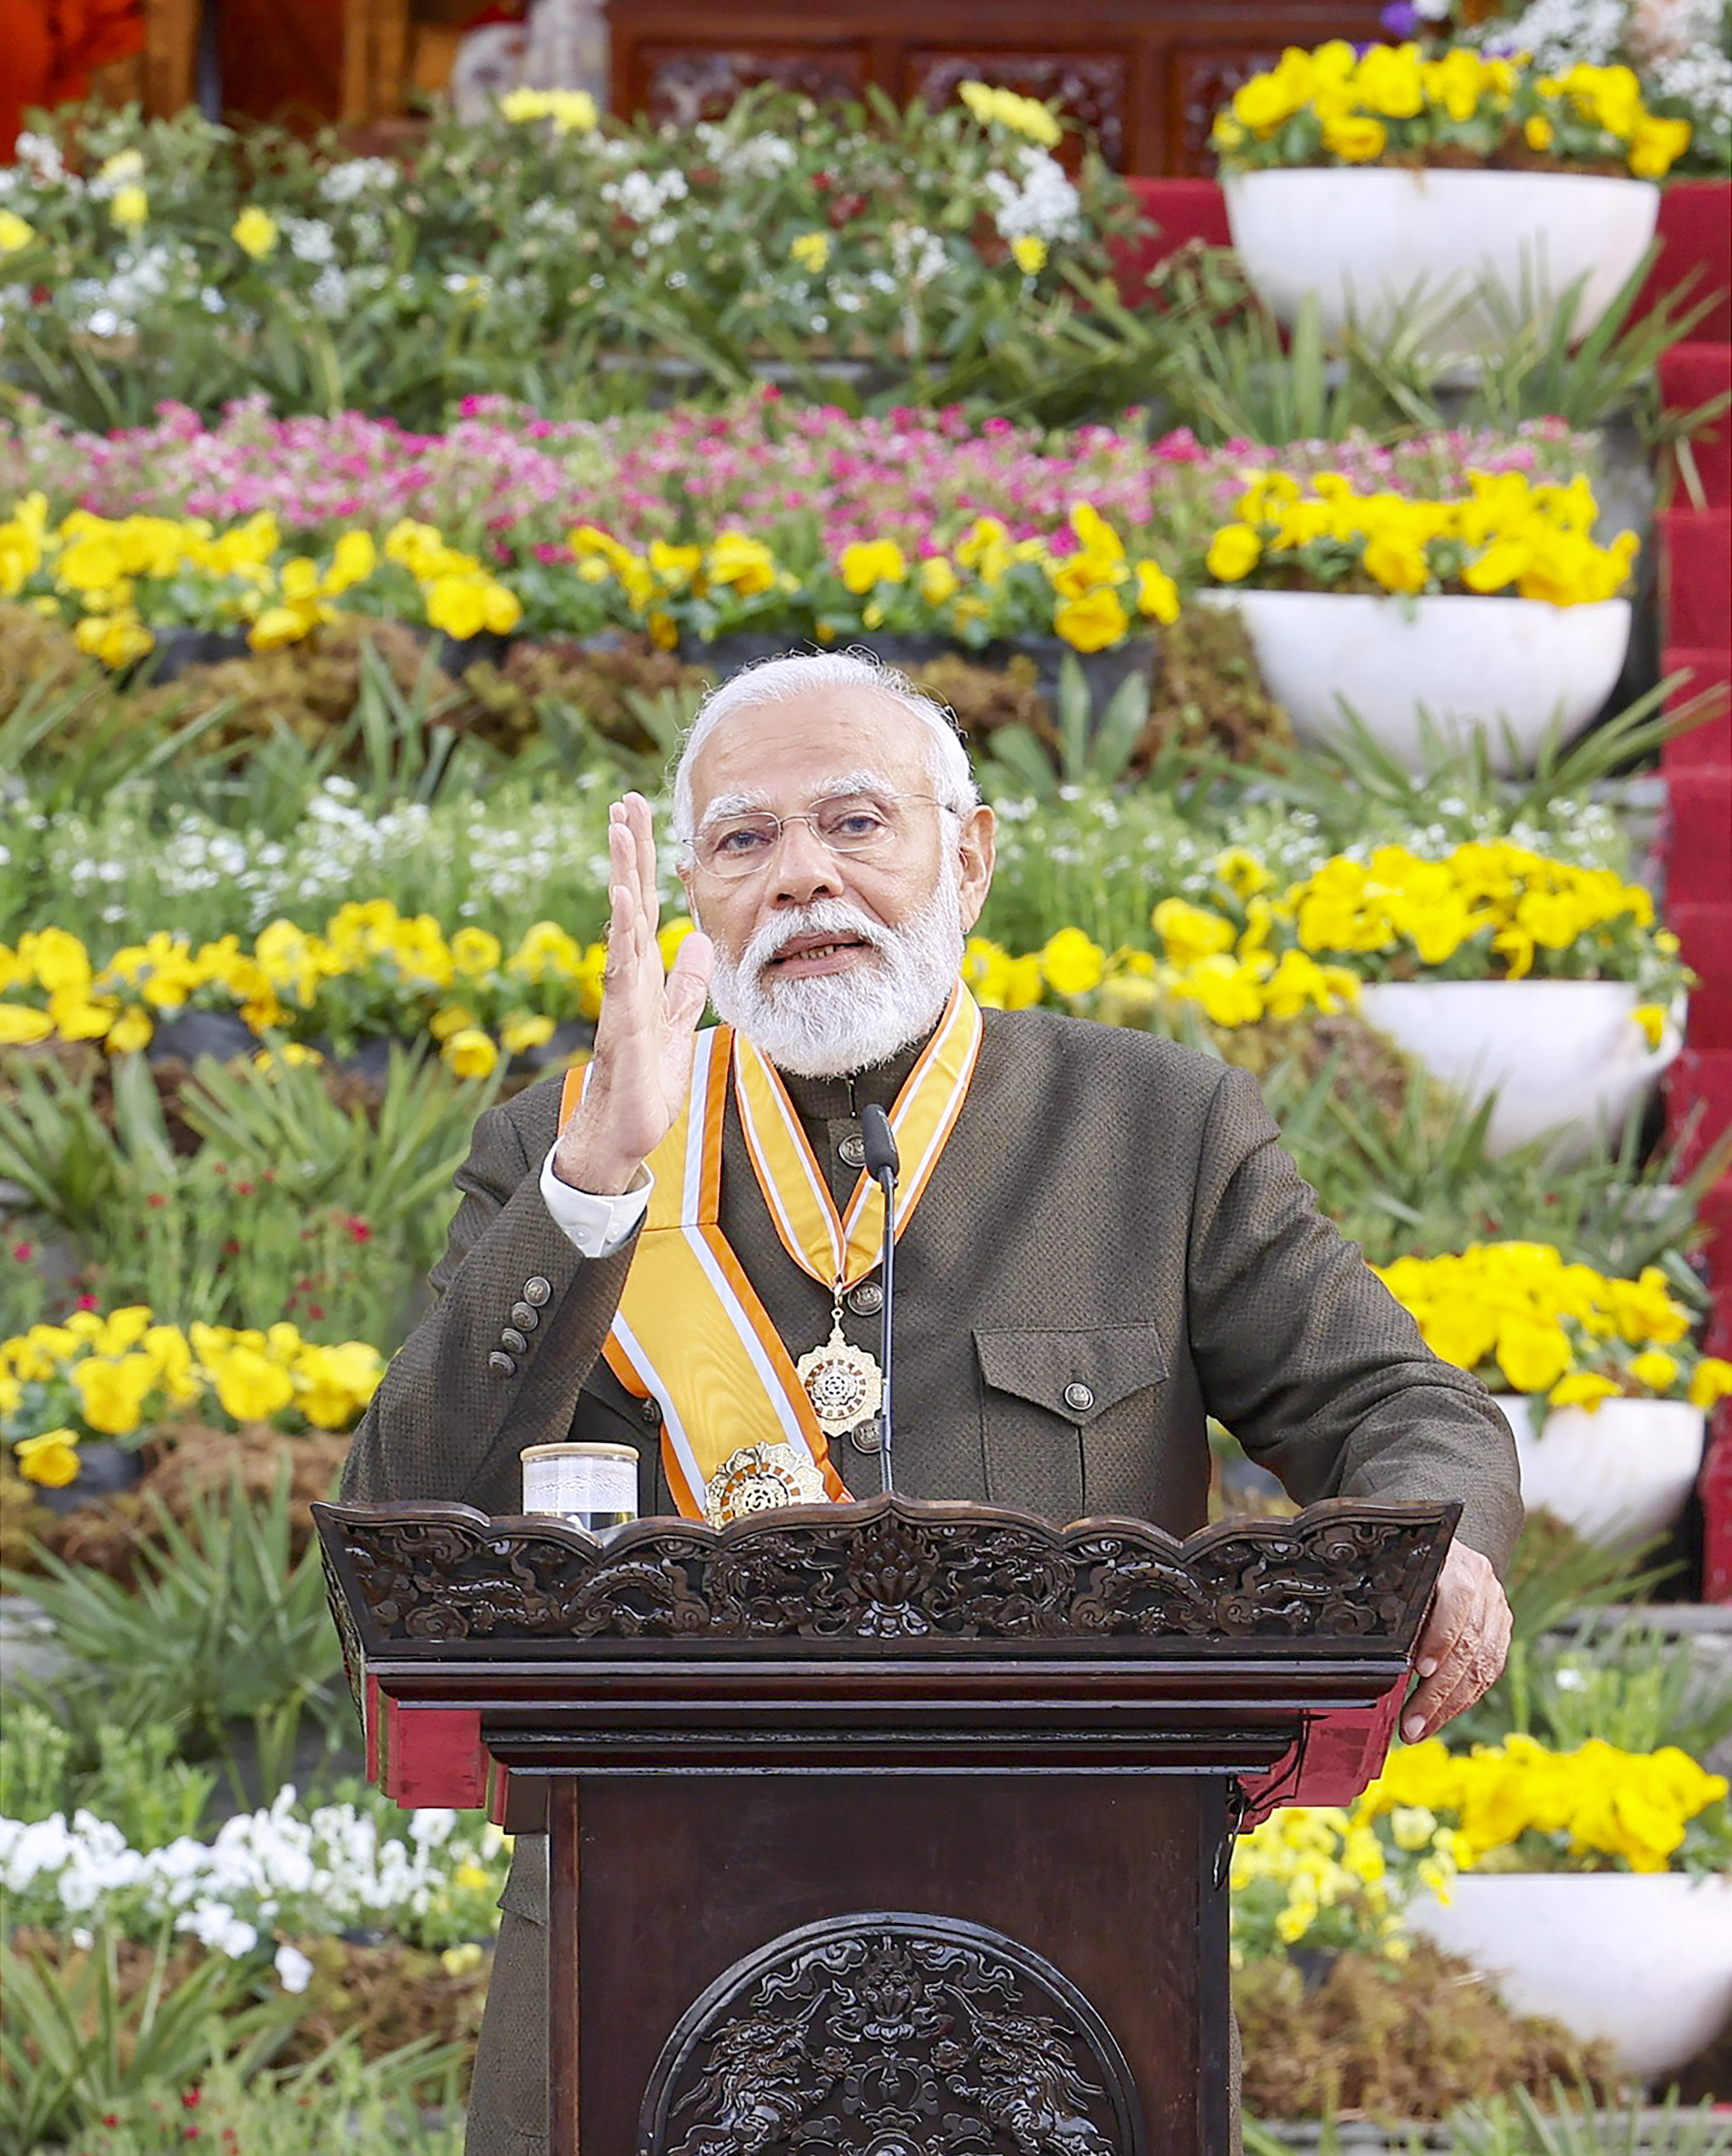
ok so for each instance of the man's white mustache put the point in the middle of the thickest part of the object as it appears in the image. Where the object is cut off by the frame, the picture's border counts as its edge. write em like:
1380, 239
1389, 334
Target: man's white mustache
827, 916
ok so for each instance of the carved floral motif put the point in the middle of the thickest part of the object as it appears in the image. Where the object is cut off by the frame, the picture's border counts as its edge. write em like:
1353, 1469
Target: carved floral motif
891, 1569
892, 2035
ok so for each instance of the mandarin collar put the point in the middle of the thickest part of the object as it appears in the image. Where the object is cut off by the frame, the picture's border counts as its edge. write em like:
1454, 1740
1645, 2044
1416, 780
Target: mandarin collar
832, 1100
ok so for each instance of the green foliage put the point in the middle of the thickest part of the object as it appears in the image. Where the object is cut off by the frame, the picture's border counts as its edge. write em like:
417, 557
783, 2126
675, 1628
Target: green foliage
297, 1173
1570, 2124
1405, 1170
1089, 753
139, 1782
224, 1629
373, 2108
78, 2036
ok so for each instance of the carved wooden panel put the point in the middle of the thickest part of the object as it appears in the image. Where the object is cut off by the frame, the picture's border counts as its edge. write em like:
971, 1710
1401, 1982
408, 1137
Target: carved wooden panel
1202, 79
887, 2035
1092, 87
685, 83
891, 1570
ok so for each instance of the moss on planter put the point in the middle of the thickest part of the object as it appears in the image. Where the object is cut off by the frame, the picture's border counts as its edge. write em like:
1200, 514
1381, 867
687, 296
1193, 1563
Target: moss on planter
1390, 2041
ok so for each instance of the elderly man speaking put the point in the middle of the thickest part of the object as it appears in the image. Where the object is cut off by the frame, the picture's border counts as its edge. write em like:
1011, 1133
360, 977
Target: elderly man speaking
1101, 1241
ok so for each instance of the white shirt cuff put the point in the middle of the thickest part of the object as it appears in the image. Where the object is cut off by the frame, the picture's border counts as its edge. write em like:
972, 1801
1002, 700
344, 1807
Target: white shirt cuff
596, 1226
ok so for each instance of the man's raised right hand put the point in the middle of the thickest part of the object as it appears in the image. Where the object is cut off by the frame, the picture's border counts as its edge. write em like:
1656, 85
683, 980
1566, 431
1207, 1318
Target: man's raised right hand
642, 1066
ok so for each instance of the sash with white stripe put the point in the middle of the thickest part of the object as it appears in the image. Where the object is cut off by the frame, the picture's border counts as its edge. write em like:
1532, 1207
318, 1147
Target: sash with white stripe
691, 1332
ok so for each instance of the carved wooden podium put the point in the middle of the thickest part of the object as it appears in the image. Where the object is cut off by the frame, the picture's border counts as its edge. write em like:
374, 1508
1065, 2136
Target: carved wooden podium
883, 1829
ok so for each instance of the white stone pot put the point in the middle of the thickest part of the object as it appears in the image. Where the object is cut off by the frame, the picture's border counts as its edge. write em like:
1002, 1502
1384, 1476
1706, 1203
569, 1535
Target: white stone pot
1512, 667
1564, 1058
1380, 246
1618, 1474
1640, 1959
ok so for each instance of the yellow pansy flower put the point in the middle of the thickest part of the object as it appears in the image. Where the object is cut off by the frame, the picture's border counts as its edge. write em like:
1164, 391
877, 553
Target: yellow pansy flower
1093, 622
50, 1459
470, 1053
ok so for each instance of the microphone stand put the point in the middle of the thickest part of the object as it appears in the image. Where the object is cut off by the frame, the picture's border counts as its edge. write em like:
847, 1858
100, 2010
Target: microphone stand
882, 1165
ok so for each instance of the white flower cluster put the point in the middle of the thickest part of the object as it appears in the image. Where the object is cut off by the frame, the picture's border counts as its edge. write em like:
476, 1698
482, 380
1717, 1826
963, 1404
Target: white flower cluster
916, 256
642, 197
1041, 205
355, 175
1684, 58
264, 1873
759, 156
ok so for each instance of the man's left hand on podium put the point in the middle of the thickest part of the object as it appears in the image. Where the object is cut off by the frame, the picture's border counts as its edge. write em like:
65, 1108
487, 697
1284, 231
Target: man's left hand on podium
1462, 1649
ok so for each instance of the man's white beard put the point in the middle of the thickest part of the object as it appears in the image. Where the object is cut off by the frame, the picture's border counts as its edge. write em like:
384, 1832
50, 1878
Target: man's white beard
823, 1025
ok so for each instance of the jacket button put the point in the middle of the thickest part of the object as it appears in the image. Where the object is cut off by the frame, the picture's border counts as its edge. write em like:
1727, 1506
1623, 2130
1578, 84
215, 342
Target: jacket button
651, 1410
866, 1300
524, 1317
853, 1150
513, 1339
1079, 1396
501, 1364
539, 1291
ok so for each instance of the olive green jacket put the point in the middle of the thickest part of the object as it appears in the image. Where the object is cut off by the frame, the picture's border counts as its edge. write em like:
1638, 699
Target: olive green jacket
1113, 1247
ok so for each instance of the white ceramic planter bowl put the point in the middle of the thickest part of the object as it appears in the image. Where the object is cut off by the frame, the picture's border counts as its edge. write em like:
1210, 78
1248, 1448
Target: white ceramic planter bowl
1643, 1960
1618, 1475
1378, 246
1564, 1058
1508, 666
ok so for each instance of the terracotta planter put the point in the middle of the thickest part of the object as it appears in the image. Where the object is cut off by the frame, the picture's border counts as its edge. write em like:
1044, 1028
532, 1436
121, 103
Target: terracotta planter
1512, 667
1565, 1058
1381, 246
1642, 1960
1618, 1473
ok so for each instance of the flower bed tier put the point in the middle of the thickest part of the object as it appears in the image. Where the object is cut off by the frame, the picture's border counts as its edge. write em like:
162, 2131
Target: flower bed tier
1460, 253
1569, 1058
1618, 1473
1644, 1961
1514, 669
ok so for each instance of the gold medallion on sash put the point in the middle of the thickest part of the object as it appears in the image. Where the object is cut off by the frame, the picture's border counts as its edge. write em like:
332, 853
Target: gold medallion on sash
744, 1429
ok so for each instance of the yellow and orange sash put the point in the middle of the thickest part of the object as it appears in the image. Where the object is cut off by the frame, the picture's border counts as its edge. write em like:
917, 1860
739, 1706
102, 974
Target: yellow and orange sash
691, 1332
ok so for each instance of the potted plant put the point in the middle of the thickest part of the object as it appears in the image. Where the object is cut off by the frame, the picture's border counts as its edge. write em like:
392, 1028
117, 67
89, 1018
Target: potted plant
1593, 1884
1499, 610
1445, 191
1607, 1393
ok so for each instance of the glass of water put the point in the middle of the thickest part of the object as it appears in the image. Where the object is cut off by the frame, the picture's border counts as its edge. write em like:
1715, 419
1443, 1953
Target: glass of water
594, 1486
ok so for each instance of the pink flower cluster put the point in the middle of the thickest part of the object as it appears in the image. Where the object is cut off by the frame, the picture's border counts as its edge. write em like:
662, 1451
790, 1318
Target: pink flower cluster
812, 478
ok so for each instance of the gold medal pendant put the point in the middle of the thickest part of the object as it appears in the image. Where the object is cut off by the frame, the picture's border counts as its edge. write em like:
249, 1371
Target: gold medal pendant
843, 1382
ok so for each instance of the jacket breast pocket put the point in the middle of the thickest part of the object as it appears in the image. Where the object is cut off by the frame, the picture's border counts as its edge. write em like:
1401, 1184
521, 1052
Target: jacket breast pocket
1049, 1395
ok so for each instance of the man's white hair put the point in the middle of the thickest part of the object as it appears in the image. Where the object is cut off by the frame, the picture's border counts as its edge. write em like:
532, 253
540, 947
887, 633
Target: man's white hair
780, 680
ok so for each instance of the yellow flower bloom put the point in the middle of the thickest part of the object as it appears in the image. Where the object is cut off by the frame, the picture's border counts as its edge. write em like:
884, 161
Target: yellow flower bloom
254, 232
1233, 553
1582, 1389
1651, 1018
130, 208
1710, 1382
871, 562
746, 564
470, 1053
1190, 932
1654, 1370
250, 1385
533, 1029
15, 235
1093, 622
1029, 252
1156, 594
1356, 138
811, 250
1071, 963
937, 580
112, 1391
22, 1025
50, 1459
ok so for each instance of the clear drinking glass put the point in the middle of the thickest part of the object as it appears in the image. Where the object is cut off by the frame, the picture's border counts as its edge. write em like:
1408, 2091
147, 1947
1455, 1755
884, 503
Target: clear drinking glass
594, 1486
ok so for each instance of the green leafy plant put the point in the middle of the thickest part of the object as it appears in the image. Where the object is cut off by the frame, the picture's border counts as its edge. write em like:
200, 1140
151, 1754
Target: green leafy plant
1570, 2124
81, 2031
225, 1630
383, 2107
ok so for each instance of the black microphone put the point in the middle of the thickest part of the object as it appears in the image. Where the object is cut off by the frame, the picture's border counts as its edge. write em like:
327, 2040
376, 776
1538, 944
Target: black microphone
881, 1165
